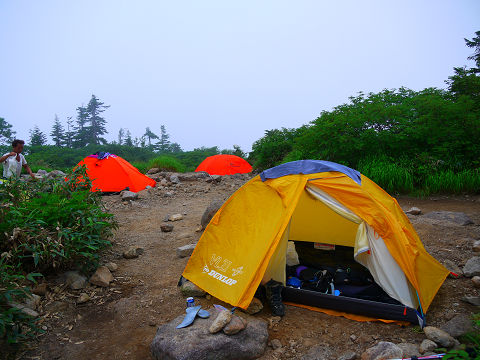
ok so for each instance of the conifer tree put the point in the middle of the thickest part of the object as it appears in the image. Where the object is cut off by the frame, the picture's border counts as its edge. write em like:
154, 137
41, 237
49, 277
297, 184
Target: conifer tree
163, 144
128, 139
150, 135
69, 133
58, 132
97, 123
6, 133
37, 138
80, 137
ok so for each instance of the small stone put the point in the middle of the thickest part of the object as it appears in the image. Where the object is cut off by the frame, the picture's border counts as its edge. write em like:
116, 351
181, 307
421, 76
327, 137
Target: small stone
427, 345
40, 289
476, 281
133, 252
208, 297
276, 344
166, 227
235, 325
111, 266
223, 318
254, 307
186, 250
176, 217
102, 277
414, 211
83, 298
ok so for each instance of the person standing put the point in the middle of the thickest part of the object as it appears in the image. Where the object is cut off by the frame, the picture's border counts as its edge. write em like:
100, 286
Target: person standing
14, 161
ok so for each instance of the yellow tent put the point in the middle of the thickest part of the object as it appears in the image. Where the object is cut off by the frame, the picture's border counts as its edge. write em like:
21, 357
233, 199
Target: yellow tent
245, 243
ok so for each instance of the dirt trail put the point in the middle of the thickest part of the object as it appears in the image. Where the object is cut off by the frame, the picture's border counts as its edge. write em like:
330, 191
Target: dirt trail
121, 321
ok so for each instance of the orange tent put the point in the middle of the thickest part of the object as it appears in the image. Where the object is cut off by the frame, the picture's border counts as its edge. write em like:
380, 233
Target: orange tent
224, 165
111, 173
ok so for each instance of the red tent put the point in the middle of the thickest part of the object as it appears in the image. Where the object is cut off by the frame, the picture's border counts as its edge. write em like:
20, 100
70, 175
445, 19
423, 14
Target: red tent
111, 173
224, 165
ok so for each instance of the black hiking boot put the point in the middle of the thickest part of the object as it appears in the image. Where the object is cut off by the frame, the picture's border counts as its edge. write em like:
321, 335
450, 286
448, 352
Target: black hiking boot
273, 291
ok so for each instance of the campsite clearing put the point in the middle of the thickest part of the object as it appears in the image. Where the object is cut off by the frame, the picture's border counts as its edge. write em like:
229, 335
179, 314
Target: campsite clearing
120, 321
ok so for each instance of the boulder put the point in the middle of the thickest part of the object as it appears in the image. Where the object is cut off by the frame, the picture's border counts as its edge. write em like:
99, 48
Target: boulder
186, 250
439, 336
102, 277
129, 196
414, 211
409, 350
458, 326
198, 343
210, 211
472, 267
190, 289
427, 345
383, 350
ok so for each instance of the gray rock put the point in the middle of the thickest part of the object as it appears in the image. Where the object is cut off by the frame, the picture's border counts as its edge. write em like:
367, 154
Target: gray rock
414, 211
458, 326
168, 194
453, 268
456, 217
276, 344
73, 279
319, 352
382, 350
190, 289
186, 250
102, 277
476, 281
214, 179
166, 227
474, 300
210, 211
153, 171
129, 196
472, 267
33, 301
56, 306
427, 345
23, 308
56, 174
476, 246
133, 252
198, 343
349, 355
111, 266
439, 336
42, 172
409, 350
174, 179
192, 176
254, 307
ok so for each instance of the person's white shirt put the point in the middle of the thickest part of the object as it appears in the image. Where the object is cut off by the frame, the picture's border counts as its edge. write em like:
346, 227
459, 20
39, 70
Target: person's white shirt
12, 166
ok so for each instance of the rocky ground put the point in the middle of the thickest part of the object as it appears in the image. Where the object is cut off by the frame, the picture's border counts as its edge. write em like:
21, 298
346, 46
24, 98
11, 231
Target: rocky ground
120, 321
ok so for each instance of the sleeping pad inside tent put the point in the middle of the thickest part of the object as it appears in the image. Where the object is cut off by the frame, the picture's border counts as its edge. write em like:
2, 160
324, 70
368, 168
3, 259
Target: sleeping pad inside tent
356, 250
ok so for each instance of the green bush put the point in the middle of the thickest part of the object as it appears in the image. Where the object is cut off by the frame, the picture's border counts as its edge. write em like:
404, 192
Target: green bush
166, 163
45, 225
15, 325
52, 223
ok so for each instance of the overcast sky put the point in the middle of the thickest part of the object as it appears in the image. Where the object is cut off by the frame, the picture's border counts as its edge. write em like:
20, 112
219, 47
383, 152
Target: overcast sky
219, 73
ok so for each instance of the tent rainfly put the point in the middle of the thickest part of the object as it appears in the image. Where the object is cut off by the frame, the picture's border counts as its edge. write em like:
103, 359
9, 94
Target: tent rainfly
224, 165
245, 243
111, 173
